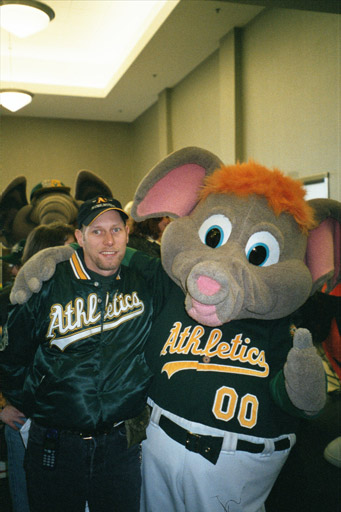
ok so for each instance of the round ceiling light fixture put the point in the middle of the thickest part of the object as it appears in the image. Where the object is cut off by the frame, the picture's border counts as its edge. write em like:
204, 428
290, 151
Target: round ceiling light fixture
14, 99
23, 18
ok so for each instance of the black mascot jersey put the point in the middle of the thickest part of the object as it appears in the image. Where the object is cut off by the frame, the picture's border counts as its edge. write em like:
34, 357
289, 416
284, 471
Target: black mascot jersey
218, 376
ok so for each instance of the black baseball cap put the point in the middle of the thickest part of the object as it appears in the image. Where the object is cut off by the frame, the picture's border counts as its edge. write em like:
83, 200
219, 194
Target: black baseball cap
14, 258
92, 208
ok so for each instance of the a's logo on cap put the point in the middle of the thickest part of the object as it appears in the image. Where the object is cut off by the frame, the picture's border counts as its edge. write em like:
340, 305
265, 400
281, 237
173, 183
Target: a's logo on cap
102, 200
52, 183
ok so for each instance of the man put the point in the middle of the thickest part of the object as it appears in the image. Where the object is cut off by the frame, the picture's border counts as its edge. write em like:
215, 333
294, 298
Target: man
75, 364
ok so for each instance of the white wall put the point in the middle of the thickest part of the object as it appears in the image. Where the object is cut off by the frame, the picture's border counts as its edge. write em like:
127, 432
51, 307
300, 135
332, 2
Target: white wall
144, 145
55, 148
195, 108
291, 92
271, 92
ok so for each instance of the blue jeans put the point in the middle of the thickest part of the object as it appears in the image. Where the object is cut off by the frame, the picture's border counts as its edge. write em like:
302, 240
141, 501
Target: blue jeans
100, 470
16, 472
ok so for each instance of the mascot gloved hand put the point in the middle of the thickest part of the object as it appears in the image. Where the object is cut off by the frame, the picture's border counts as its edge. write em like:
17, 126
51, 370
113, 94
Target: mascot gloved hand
42, 267
231, 372
304, 374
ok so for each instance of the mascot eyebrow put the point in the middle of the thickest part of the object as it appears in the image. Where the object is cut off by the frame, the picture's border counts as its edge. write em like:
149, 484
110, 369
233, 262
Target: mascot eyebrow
283, 193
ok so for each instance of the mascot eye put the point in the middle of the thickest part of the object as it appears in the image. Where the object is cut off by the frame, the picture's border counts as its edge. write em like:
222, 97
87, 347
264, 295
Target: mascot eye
262, 249
215, 231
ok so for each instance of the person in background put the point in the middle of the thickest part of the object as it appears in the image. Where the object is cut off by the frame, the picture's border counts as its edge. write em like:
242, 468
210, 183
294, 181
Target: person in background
141, 237
10, 268
13, 262
39, 238
321, 315
146, 235
75, 365
48, 235
13, 259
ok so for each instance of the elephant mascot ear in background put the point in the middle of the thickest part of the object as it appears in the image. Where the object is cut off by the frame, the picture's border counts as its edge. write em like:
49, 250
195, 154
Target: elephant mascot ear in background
49, 201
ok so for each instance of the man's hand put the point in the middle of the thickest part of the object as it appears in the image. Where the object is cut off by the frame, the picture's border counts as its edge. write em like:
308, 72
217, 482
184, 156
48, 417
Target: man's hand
11, 415
37, 269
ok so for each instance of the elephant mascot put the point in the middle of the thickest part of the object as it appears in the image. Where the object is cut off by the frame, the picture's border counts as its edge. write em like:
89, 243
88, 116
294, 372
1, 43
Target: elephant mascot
50, 201
232, 374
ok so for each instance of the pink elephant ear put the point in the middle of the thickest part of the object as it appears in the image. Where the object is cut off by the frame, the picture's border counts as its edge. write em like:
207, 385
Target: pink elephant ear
171, 187
324, 244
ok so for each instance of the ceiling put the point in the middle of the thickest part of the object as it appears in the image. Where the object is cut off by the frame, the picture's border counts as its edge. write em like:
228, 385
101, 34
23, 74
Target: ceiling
83, 65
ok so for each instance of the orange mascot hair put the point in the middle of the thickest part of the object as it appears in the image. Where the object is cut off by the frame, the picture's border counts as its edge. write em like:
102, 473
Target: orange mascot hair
283, 193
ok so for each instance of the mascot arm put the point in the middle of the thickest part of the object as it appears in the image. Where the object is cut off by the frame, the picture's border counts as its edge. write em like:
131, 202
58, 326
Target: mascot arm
39, 268
300, 388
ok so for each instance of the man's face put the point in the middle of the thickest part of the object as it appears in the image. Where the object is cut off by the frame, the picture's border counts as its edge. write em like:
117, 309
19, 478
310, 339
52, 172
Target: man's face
104, 242
163, 224
14, 269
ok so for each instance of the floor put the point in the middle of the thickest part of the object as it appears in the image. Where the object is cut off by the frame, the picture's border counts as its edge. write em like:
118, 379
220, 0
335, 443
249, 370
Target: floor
307, 483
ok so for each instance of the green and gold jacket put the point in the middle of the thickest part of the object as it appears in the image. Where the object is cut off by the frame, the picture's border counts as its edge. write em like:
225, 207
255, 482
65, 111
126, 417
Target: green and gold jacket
75, 351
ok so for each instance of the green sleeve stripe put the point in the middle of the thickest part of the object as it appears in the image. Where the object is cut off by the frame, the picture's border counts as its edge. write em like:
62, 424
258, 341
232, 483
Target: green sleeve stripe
280, 396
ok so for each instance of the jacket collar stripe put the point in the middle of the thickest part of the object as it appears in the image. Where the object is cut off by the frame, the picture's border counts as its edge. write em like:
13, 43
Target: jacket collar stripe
78, 267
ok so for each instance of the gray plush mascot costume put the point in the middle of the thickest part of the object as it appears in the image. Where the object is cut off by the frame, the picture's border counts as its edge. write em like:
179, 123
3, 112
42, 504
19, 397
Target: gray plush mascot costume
49, 201
232, 373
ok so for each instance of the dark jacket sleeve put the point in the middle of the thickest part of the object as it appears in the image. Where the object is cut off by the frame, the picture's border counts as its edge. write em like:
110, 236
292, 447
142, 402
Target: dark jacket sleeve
156, 279
17, 351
